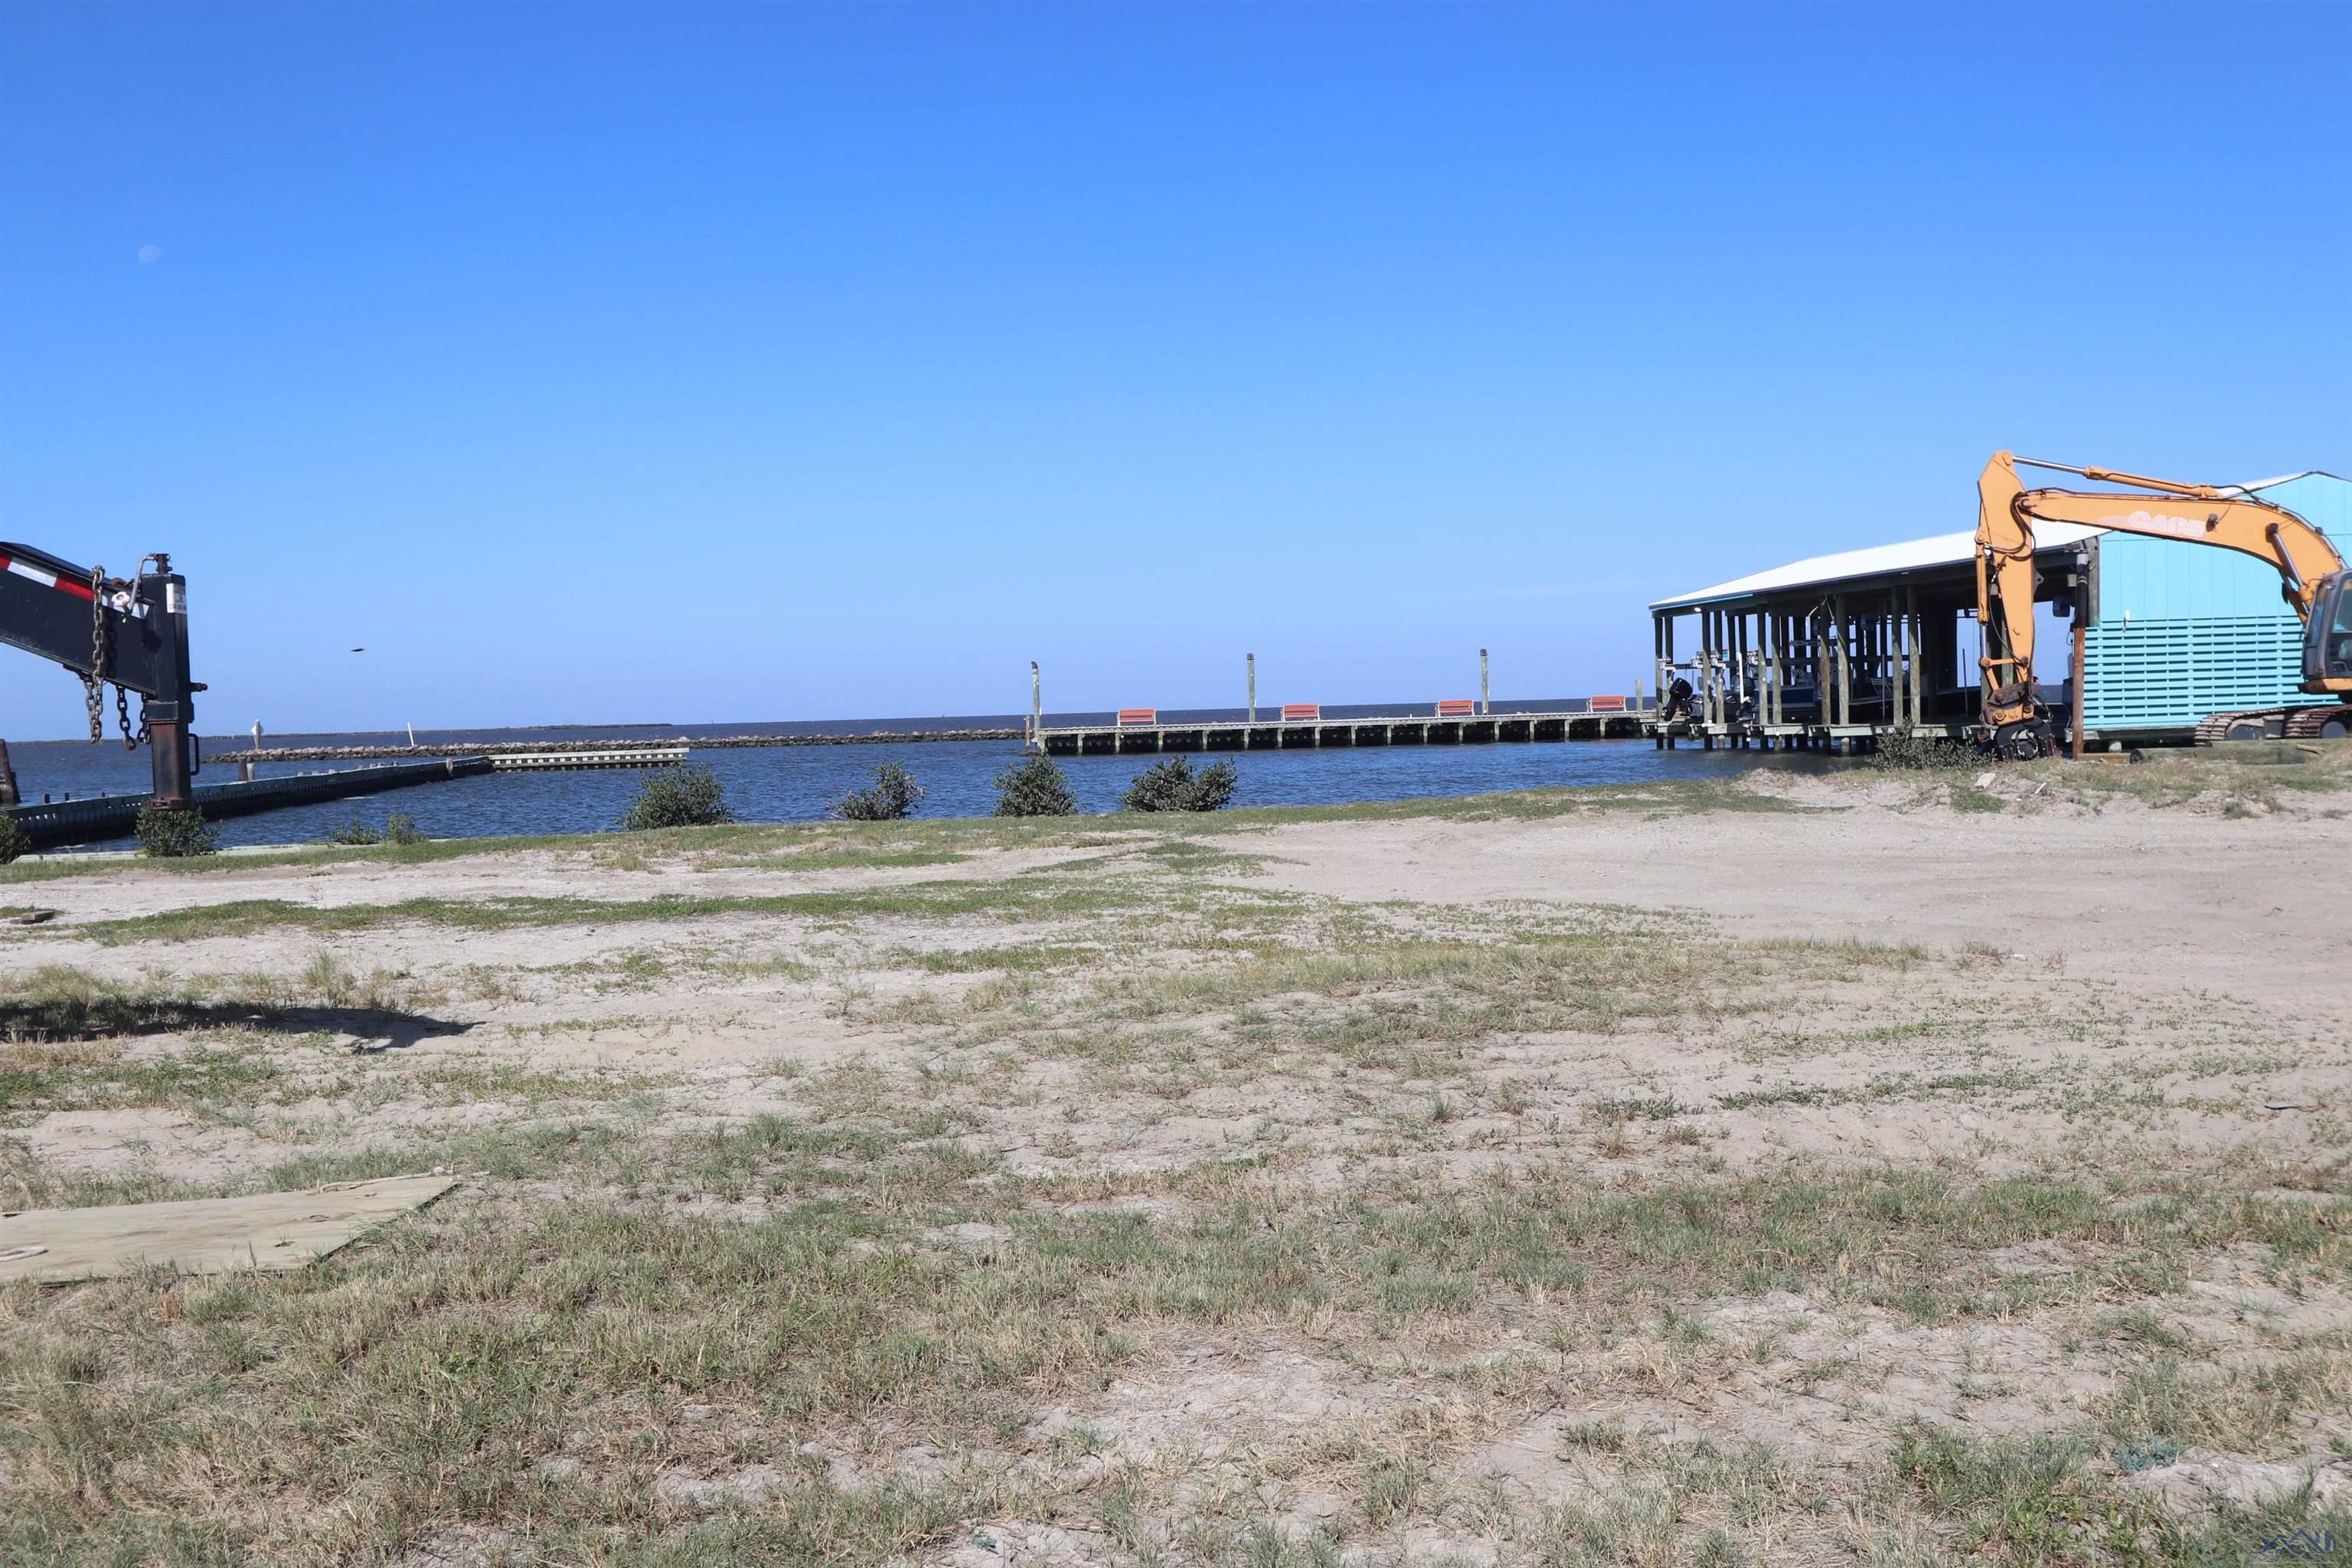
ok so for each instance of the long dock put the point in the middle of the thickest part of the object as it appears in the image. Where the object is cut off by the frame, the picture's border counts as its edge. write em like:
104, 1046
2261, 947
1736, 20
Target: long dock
113, 815
1144, 730
572, 762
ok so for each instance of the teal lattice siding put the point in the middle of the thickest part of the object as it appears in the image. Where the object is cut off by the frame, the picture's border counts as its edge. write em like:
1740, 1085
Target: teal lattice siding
2167, 674
2185, 630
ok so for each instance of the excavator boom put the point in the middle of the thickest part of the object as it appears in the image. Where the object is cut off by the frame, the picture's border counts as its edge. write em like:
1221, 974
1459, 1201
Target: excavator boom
2311, 570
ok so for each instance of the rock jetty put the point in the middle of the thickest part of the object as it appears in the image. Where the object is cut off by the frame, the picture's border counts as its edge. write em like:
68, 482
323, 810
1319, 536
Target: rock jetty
499, 748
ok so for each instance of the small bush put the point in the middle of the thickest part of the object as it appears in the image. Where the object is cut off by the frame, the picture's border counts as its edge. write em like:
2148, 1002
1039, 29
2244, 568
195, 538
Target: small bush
689, 795
1172, 785
891, 797
398, 828
1035, 788
14, 840
174, 834
1912, 751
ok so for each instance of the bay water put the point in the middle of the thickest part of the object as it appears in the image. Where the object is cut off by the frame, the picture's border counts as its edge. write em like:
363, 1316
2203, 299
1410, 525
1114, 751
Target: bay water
794, 783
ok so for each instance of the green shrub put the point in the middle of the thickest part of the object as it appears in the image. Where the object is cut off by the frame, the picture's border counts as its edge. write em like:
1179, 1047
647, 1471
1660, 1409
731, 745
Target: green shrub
398, 828
1172, 785
1912, 750
14, 840
1035, 788
174, 834
891, 797
687, 795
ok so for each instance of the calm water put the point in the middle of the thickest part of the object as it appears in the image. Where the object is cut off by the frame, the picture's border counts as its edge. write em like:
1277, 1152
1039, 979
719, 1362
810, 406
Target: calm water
793, 784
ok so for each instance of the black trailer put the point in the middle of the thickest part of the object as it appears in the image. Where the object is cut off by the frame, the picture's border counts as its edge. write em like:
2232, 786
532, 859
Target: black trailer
131, 634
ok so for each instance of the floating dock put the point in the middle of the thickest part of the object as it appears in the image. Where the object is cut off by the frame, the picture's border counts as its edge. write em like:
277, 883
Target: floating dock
568, 761
1304, 727
107, 816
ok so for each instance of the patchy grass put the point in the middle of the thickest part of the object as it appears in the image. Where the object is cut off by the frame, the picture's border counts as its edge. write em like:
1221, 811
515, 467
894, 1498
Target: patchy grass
2261, 776
1129, 1197
2044, 1500
1013, 899
1679, 796
939, 841
426, 1379
37, 1078
420, 1386
1968, 797
1444, 989
1039, 957
2244, 1407
2027, 1501
59, 1002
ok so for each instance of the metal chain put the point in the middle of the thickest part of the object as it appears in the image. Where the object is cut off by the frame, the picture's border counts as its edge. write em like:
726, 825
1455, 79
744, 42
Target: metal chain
123, 717
93, 684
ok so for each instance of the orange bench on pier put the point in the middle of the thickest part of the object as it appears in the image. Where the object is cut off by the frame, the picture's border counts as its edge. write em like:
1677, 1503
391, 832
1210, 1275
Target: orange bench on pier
1292, 713
1139, 715
1457, 708
1604, 705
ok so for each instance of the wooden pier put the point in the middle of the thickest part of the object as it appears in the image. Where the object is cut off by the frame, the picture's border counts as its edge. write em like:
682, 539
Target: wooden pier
1844, 653
1303, 727
1745, 733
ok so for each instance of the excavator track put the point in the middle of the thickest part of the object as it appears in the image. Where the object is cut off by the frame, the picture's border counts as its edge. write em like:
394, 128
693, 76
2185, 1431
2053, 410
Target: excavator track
2319, 724
2316, 723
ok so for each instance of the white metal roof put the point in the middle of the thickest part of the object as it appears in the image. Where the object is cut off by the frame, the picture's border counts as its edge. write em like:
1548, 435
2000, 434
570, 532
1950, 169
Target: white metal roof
2251, 486
1943, 550
1877, 561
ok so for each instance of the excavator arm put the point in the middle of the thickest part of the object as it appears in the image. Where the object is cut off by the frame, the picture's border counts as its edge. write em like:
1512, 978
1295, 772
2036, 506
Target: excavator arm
2310, 569
133, 633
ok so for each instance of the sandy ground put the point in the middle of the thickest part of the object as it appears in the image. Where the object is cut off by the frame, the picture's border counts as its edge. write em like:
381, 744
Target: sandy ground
2161, 922
1878, 980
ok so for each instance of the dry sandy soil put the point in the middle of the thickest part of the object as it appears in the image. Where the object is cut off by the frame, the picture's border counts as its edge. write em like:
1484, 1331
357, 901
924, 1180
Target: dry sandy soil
1885, 1168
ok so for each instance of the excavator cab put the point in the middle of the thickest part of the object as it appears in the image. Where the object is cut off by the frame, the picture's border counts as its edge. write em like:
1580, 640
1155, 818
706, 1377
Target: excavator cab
2327, 637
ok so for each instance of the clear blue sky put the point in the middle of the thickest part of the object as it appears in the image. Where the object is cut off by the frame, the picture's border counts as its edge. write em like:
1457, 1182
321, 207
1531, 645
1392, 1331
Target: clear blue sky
692, 362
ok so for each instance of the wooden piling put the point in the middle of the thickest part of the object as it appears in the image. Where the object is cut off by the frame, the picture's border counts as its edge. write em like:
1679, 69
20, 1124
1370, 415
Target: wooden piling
2081, 654
1845, 670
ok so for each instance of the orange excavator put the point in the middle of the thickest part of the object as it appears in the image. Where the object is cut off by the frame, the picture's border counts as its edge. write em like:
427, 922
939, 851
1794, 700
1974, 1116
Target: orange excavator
2311, 571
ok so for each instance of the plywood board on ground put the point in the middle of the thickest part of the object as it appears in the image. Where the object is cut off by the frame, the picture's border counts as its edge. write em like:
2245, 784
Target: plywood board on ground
268, 1232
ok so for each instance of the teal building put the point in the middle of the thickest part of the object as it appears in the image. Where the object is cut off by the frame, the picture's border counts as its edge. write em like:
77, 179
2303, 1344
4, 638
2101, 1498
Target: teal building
2178, 630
